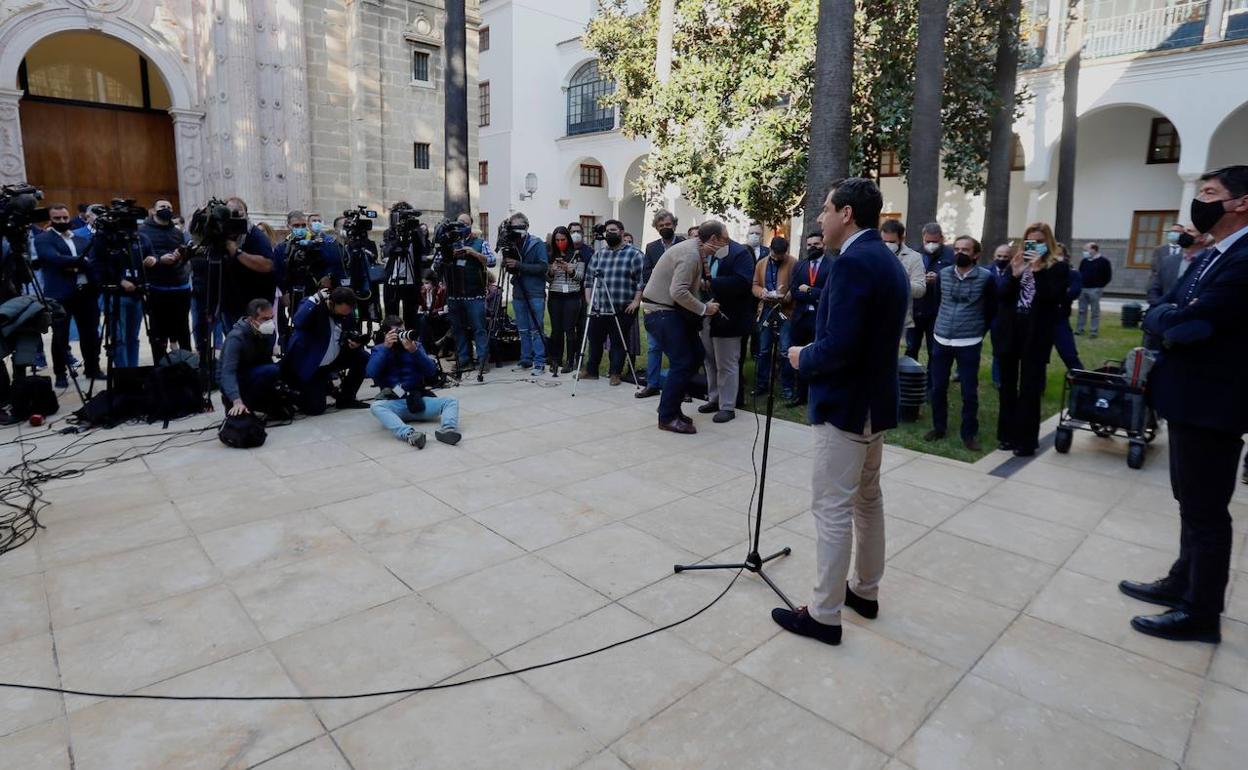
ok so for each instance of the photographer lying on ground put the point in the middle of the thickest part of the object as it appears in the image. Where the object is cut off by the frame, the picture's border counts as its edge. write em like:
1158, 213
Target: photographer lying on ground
324, 341
401, 361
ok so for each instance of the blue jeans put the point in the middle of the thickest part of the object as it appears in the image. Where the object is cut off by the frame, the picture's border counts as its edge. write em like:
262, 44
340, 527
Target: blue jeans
394, 414
529, 315
762, 367
126, 331
654, 361
967, 358
468, 317
680, 339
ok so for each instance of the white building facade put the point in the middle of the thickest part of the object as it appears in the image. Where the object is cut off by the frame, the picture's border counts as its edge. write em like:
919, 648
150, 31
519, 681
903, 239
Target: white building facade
311, 104
1162, 97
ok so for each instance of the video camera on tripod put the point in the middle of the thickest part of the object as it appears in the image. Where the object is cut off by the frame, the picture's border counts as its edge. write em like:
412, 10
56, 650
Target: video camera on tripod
115, 246
357, 222
19, 209
216, 223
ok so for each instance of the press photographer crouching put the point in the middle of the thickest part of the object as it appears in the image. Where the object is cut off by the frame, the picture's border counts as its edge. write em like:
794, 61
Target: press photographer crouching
399, 360
248, 376
324, 341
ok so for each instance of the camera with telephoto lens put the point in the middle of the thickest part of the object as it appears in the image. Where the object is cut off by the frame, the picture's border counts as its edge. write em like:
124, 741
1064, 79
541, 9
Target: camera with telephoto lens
358, 221
600, 232
451, 232
120, 216
405, 224
216, 223
19, 209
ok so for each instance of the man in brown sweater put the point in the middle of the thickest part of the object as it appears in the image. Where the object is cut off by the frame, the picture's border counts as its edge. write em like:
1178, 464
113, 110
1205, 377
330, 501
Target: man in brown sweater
674, 317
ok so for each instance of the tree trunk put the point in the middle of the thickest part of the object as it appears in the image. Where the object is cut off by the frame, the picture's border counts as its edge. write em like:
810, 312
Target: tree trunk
923, 178
1001, 144
457, 198
828, 159
1069, 146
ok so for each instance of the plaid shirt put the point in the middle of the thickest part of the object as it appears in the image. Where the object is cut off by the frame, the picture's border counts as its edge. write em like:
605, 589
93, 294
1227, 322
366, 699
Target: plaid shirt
623, 275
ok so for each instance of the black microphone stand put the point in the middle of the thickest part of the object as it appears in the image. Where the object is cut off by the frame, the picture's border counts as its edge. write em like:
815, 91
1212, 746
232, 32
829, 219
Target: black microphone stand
754, 561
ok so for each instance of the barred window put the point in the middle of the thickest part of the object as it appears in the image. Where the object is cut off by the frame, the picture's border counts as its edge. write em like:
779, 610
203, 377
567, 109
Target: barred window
421, 152
483, 102
483, 172
483, 39
586, 113
420, 66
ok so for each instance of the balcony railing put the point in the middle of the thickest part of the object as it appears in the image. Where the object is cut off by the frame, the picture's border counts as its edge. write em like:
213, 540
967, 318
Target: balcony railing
1157, 29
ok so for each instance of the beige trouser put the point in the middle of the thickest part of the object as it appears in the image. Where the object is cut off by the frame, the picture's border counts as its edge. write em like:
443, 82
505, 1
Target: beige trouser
847, 505
723, 368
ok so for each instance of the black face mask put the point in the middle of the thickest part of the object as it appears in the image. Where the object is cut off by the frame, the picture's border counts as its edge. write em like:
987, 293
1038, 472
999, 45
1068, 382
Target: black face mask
814, 252
60, 227
1186, 240
164, 215
1207, 214
614, 239
667, 233
964, 260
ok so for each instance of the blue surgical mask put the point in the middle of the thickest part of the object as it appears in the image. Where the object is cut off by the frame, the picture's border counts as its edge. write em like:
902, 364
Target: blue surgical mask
1041, 249
1172, 237
317, 227
299, 232
1087, 254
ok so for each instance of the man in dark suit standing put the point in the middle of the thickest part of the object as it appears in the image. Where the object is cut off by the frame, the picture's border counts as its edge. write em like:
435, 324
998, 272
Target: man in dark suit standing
665, 222
810, 276
1198, 384
852, 369
68, 278
937, 255
1166, 258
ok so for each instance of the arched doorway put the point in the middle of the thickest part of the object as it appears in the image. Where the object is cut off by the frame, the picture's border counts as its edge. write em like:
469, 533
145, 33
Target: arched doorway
95, 121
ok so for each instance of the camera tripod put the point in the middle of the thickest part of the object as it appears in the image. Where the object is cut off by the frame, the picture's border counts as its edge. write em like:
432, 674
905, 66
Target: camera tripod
754, 561
600, 285
120, 254
506, 252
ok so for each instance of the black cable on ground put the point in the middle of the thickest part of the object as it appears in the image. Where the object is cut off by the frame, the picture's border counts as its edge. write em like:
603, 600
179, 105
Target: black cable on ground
373, 694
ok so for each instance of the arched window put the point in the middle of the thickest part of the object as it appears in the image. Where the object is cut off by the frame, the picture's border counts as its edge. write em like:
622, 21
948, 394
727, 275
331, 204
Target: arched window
585, 113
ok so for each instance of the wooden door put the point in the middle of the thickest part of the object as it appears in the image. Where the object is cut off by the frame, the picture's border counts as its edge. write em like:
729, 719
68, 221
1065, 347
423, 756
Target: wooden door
86, 154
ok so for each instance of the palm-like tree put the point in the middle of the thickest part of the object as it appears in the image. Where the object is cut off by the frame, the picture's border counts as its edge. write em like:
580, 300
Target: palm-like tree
1073, 56
829, 120
1001, 143
923, 179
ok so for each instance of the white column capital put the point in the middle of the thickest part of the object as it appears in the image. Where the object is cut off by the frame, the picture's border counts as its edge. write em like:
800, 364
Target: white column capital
11, 95
185, 115
1191, 177
1215, 13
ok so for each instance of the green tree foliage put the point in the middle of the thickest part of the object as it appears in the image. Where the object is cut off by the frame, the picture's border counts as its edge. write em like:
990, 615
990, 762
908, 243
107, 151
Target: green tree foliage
732, 123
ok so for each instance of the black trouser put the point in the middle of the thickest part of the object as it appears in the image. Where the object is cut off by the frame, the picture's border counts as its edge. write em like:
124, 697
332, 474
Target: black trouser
1023, 373
1202, 475
600, 327
967, 358
915, 336
403, 300
169, 316
678, 333
84, 308
565, 332
803, 333
313, 394
433, 327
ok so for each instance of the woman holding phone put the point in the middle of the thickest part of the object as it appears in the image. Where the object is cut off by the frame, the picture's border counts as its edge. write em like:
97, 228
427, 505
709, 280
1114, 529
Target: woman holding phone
1032, 291
566, 276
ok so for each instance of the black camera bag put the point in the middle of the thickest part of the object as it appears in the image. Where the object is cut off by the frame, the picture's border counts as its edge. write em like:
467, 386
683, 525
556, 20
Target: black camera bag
242, 431
33, 394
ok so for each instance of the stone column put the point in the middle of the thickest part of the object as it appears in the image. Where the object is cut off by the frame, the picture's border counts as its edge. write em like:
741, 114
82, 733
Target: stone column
1215, 13
364, 101
188, 139
12, 156
232, 138
1185, 202
1056, 31
615, 207
1033, 201
282, 94
663, 55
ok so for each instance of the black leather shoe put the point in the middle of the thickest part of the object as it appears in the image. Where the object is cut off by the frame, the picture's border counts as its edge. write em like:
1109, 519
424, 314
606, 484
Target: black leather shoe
1021, 452
803, 624
1157, 592
678, 426
1005, 446
1178, 626
708, 408
646, 392
724, 415
867, 608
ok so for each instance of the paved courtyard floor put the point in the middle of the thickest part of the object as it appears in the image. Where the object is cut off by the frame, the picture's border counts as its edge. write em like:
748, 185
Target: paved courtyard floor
336, 559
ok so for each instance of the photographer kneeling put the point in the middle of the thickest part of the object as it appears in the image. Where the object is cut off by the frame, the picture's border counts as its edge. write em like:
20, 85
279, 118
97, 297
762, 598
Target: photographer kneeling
323, 342
400, 360
249, 378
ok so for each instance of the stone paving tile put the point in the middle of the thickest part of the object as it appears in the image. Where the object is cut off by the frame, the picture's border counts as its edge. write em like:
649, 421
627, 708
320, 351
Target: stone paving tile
442, 552
946, 479
320, 754
998, 576
1014, 532
273, 542
1230, 659
29, 661
537, 521
1218, 738
1147, 703
916, 504
732, 722
42, 747
982, 726
87, 537
24, 607
1053, 505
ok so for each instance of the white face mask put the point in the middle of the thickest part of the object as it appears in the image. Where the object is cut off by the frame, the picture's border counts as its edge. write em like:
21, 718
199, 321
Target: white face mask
576, 238
893, 247
931, 247
268, 327
754, 239
721, 252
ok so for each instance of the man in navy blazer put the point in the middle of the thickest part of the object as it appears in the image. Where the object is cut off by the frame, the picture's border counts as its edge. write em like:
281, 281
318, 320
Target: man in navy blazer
319, 346
67, 276
1200, 385
809, 278
852, 370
